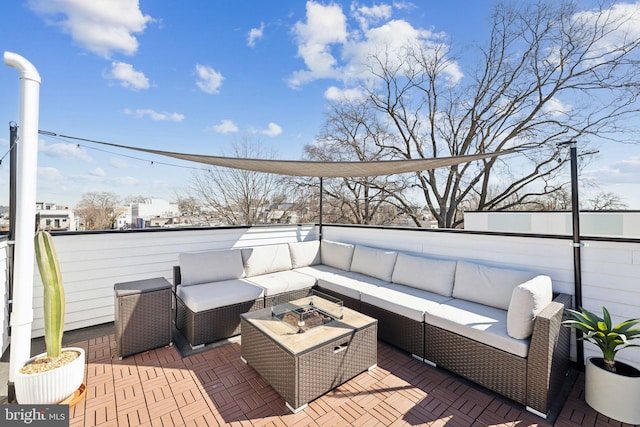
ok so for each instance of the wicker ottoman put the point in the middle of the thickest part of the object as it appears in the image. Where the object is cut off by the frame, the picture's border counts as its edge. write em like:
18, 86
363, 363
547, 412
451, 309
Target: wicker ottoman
142, 315
302, 367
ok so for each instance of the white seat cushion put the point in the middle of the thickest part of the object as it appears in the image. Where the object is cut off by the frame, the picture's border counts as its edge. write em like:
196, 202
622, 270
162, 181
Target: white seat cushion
207, 296
210, 266
320, 270
349, 284
403, 300
478, 322
433, 275
336, 254
487, 285
304, 254
373, 262
527, 300
282, 281
266, 259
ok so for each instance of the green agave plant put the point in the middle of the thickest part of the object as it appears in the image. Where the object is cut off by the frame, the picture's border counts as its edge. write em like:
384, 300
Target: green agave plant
54, 302
600, 331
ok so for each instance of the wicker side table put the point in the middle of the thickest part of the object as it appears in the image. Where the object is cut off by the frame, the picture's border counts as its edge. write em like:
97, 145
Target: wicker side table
142, 315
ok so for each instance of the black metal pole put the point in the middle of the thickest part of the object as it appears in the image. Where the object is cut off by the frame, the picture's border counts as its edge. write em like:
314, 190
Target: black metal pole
577, 267
13, 162
13, 173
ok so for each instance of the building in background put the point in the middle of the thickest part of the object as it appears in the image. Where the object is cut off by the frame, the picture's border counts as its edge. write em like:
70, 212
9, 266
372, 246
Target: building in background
51, 217
143, 214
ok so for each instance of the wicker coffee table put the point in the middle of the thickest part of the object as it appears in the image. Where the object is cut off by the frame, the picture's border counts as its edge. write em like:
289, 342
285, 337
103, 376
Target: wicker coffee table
302, 366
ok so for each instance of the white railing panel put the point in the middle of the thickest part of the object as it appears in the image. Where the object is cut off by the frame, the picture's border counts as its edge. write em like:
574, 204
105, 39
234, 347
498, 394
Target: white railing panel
93, 263
4, 290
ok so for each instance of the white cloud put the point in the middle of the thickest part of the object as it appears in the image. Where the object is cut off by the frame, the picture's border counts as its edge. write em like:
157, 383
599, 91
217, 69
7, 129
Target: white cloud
334, 93
554, 107
255, 34
369, 15
49, 174
118, 163
101, 26
225, 126
623, 171
209, 80
272, 130
325, 26
330, 50
128, 76
154, 115
620, 23
97, 172
64, 151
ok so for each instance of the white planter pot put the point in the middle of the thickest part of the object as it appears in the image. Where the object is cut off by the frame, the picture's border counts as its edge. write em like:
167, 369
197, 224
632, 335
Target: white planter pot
53, 386
613, 394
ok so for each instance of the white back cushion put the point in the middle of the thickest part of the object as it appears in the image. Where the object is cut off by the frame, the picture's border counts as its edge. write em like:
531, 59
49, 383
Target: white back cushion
336, 254
428, 274
211, 266
374, 262
304, 254
527, 300
487, 285
266, 259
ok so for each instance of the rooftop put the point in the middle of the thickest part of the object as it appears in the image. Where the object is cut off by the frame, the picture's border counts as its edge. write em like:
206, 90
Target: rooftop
212, 386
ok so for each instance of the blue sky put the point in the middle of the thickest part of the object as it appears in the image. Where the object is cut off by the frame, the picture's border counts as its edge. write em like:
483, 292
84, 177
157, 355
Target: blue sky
195, 76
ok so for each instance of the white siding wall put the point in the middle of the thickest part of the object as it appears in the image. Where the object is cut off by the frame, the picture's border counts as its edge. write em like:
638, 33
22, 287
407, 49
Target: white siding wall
4, 290
92, 263
610, 269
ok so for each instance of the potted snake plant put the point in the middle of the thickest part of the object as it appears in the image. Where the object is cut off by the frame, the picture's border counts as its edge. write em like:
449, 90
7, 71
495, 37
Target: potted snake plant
58, 374
611, 387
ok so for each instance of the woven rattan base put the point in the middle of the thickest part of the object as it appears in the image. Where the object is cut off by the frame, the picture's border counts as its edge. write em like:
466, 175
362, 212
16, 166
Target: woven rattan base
142, 315
398, 330
320, 364
212, 325
497, 370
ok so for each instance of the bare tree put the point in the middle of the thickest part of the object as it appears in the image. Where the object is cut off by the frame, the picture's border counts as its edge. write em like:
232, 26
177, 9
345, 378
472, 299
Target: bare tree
547, 74
99, 210
605, 201
188, 205
235, 196
351, 133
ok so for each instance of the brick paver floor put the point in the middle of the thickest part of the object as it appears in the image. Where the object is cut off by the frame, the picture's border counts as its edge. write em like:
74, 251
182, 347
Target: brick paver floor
214, 387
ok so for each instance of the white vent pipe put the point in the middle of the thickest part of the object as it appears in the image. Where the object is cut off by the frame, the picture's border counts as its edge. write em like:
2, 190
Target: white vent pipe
22, 308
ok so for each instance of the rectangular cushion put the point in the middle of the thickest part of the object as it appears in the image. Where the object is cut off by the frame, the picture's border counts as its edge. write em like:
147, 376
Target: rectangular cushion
487, 285
432, 275
349, 284
210, 266
304, 254
403, 300
266, 259
336, 254
478, 322
374, 262
527, 300
282, 281
207, 296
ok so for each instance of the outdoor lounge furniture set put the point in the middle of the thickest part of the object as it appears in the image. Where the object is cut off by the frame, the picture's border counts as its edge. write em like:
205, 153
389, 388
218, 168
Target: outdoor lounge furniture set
498, 327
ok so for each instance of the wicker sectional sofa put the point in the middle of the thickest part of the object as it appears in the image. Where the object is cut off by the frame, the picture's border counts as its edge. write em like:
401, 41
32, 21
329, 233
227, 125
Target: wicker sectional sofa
498, 327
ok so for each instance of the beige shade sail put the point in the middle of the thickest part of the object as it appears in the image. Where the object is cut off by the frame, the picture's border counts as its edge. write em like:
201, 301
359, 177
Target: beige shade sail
315, 168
